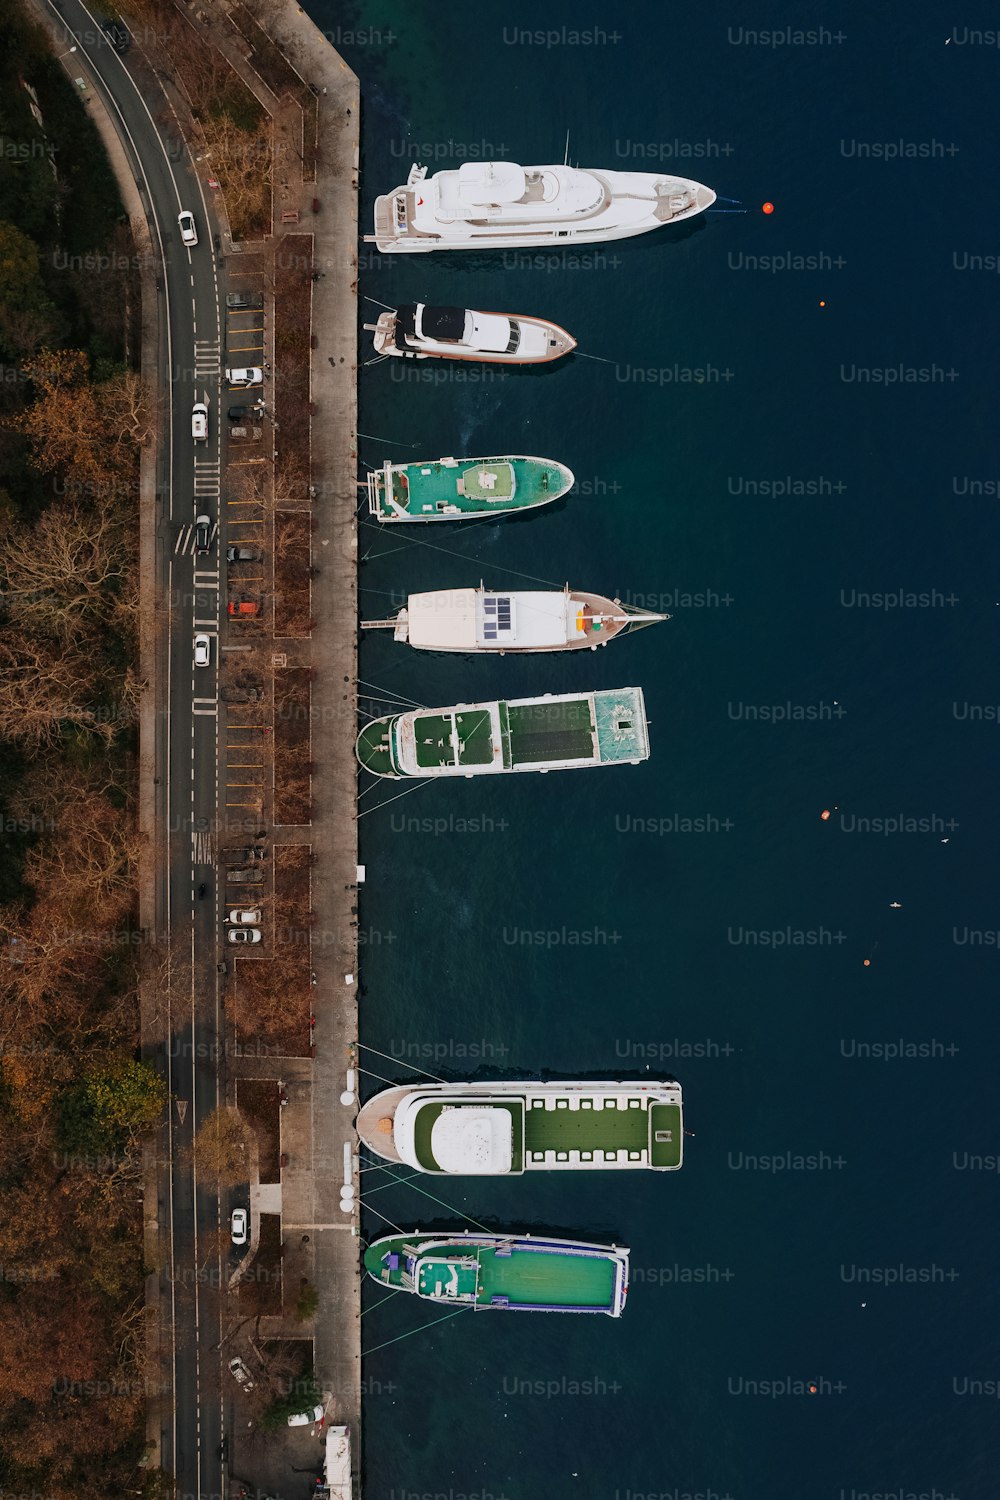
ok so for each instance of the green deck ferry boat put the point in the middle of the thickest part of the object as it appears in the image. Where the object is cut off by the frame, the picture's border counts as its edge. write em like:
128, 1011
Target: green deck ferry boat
555, 732
515, 1273
453, 489
500, 1129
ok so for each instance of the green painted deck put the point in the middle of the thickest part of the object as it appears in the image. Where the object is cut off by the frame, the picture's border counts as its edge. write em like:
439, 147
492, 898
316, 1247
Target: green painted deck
429, 1112
373, 747
586, 1129
547, 1278
665, 1121
550, 731
435, 735
473, 485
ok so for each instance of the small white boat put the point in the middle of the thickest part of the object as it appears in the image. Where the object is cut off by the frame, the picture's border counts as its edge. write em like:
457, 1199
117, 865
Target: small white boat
418, 331
520, 620
500, 205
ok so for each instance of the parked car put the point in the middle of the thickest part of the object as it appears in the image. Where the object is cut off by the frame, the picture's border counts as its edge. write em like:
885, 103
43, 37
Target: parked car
306, 1418
238, 1226
244, 609
243, 554
240, 301
244, 934
236, 412
188, 227
202, 651
117, 35
245, 375
242, 434
202, 533
240, 1373
250, 915
199, 421
245, 877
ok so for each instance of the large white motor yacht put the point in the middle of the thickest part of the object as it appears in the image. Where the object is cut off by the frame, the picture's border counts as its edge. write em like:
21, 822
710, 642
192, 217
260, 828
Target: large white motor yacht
500, 205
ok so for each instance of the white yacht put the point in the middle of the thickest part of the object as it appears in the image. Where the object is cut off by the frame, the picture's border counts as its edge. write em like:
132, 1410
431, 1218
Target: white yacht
418, 331
516, 620
500, 205
499, 1129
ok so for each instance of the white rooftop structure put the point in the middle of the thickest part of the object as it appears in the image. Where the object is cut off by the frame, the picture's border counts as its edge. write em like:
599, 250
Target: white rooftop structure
471, 619
473, 1142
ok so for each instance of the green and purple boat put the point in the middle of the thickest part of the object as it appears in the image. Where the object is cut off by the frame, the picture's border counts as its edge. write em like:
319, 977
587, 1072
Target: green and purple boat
503, 1272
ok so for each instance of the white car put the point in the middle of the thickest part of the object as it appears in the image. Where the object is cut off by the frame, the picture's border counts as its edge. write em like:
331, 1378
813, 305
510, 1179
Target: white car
249, 918
202, 651
252, 375
244, 934
306, 1418
238, 1226
240, 1373
188, 228
199, 421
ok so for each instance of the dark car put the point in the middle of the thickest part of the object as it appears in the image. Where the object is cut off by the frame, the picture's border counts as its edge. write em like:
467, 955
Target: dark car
242, 554
235, 413
117, 35
202, 534
242, 301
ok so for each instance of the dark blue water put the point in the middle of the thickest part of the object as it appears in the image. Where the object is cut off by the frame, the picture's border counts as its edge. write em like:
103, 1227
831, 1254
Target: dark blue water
695, 916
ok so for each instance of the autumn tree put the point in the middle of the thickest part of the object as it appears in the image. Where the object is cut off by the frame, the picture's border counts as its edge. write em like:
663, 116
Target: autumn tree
64, 572
222, 1147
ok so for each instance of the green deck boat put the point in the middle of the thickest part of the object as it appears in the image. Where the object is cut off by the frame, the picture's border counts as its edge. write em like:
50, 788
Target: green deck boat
501, 1129
516, 1273
453, 489
551, 733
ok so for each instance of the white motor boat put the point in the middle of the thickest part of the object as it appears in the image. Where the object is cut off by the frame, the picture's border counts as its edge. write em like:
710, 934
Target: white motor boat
500, 205
417, 331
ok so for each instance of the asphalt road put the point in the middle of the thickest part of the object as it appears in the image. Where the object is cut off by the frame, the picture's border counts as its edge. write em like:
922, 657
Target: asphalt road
187, 751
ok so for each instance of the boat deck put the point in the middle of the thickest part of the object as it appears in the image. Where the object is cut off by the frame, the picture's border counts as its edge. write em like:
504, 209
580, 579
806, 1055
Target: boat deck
465, 739
621, 725
536, 1278
619, 1129
431, 1111
535, 732
428, 491
373, 747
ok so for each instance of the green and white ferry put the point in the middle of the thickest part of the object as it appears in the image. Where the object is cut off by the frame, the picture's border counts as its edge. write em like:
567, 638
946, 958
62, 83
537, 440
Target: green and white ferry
509, 1273
556, 732
454, 489
503, 1129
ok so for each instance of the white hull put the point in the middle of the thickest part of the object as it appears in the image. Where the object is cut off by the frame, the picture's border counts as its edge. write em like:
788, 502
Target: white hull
519, 622
388, 1123
539, 341
502, 206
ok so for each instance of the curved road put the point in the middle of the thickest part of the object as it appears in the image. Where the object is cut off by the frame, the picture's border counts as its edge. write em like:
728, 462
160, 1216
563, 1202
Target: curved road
189, 360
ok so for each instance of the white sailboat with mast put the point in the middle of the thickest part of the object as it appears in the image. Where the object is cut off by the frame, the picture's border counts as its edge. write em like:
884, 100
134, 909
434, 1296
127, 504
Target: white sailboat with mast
481, 620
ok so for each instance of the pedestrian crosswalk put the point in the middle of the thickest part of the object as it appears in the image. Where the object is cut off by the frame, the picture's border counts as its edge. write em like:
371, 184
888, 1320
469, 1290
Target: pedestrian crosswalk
184, 544
206, 707
206, 579
206, 479
207, 359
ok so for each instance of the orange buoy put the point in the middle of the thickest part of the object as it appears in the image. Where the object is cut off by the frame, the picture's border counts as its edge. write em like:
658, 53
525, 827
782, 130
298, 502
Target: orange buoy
822, 303
867, 963
767, 208
825, 815
812, 1389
